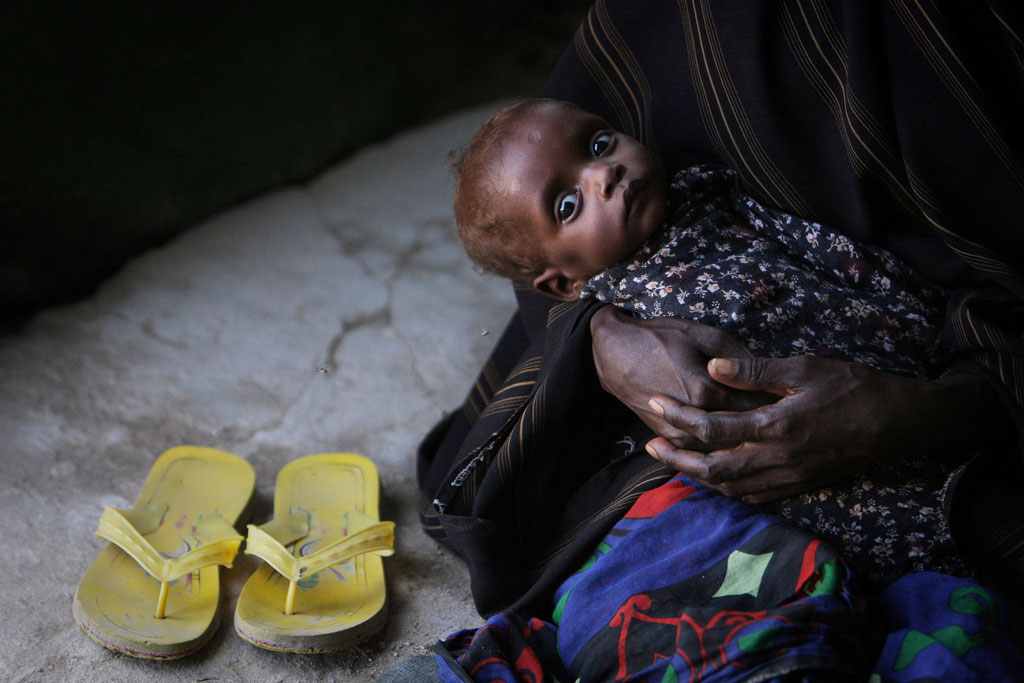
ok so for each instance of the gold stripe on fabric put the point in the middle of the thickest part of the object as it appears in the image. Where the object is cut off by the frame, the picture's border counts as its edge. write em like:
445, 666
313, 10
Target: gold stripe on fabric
768, 169
979, 257
528, 366
498, 402
622, 79
629, 64
504, 462
978, 326
1014, 548
742, 164
594, 68
1017, 375
650, 477
531, 364
975, 255
830, 30
819, 83
790, 30
514, 385
503, 405
970, 334
1017, 45
939, 54
559, 310
1006, 25
975, 260
724, 115
700, 91
471, 407
846, 102
490, 375
533, 475
482, 392
989, 345
644, 481
852, 117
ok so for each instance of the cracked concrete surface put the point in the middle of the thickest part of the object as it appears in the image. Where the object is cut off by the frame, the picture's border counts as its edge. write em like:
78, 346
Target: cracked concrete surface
337, 316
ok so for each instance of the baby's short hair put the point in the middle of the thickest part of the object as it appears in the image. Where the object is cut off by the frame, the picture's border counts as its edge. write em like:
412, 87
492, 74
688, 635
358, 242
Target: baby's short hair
491, 236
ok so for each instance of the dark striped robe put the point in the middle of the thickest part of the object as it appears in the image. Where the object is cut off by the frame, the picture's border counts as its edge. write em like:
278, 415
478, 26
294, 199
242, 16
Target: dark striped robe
897, 122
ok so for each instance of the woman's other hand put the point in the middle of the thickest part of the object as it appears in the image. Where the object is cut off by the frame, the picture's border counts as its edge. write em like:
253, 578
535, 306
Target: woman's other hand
831, 418
636, 359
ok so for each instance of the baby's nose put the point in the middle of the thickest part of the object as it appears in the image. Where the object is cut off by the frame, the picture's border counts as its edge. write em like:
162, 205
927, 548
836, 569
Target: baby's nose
605, 176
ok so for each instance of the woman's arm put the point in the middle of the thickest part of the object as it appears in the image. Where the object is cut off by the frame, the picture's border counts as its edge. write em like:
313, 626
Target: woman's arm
832, 419
813, 420
636, 359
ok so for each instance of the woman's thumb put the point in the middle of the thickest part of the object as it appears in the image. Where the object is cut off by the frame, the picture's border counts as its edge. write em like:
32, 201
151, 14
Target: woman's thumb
748, 374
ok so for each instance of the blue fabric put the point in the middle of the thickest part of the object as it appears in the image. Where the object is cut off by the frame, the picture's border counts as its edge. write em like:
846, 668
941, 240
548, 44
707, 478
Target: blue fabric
691, 585
949, 629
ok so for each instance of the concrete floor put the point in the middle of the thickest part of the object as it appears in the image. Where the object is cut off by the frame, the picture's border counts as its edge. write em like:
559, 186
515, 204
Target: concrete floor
341, 315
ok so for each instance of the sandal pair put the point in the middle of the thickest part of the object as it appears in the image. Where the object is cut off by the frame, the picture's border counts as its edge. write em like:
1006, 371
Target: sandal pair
154, 591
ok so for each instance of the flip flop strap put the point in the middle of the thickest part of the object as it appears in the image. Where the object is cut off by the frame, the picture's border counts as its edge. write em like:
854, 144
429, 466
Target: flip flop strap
217, 542
366, 535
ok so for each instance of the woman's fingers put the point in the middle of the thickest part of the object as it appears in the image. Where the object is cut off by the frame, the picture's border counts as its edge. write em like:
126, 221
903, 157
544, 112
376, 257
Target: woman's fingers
833, 418
774, 375
714, 342
714, 428
637, 358
743, 472
717, 468
694, 464
669, 432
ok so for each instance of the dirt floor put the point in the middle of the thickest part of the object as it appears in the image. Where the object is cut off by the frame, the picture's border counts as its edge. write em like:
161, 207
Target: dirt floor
341, 315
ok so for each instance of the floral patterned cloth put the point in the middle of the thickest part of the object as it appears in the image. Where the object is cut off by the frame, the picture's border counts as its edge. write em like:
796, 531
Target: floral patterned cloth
783, 285
787, 286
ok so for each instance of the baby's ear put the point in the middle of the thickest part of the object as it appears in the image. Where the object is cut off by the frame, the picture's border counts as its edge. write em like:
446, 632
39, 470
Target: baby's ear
554, 283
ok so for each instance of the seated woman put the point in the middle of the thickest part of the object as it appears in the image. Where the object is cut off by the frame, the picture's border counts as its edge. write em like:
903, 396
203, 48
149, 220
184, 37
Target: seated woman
895, 124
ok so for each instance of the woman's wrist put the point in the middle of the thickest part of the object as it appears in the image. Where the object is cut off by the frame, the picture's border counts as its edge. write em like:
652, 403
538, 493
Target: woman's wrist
601, 319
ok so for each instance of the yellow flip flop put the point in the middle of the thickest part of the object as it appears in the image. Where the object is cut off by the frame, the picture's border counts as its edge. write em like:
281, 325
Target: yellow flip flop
322, 588
153, 592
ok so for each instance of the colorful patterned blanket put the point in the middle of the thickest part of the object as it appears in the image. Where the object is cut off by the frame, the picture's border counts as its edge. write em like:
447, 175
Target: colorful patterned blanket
693, 586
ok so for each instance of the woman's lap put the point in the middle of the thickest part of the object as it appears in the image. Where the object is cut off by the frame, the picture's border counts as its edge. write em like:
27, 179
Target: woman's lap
693, 585
885, 523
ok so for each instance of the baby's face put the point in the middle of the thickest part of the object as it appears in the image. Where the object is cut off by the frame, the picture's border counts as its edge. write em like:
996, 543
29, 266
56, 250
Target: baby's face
590, 195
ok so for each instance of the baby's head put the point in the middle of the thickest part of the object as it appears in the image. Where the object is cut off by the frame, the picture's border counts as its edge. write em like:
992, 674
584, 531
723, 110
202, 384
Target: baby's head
549, 195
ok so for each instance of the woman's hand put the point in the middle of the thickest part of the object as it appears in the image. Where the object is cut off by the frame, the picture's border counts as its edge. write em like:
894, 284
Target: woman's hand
636, 359
831, 419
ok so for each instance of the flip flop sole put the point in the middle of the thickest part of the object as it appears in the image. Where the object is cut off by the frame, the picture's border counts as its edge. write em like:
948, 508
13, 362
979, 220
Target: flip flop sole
115, 600
309, 641
339, 606
121, 633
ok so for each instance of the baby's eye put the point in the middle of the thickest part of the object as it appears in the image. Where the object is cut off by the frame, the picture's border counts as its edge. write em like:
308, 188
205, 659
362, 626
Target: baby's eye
567, 206
601, 143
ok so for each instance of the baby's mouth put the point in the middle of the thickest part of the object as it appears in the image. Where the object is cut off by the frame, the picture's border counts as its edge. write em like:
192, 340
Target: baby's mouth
629, 194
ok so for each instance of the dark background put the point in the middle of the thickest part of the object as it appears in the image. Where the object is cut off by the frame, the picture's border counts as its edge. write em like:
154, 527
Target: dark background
124, 123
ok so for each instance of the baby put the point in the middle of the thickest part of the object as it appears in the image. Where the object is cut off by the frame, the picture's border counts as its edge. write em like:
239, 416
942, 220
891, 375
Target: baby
551, 197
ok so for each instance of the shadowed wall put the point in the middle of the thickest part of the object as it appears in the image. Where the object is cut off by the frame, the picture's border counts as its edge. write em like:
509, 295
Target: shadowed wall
126, 122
